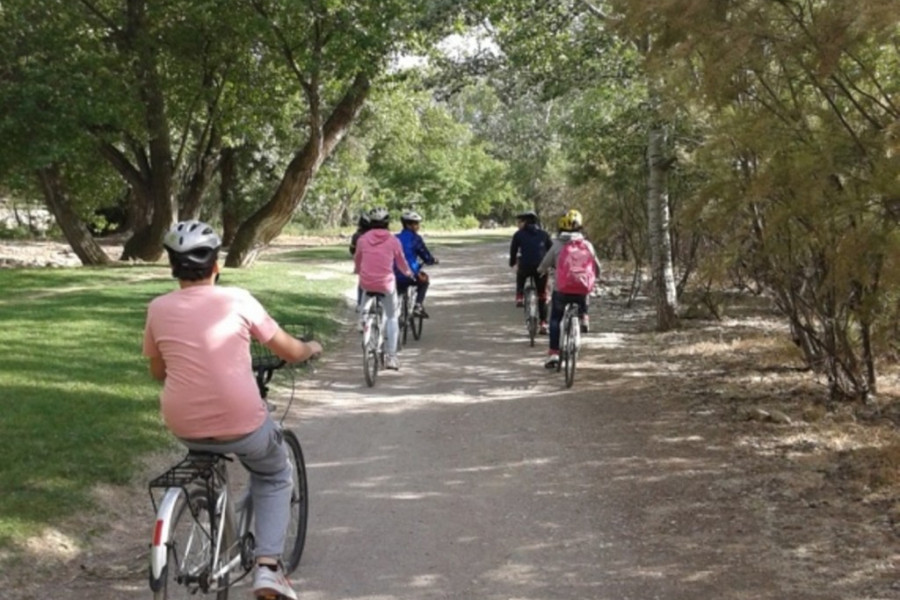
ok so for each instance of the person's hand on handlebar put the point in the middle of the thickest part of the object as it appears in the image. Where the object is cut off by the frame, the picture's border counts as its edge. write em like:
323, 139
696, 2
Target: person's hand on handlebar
292, 349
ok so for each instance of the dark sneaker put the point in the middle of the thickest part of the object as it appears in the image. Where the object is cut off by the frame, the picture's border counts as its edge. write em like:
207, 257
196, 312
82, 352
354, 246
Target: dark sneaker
585, 324
419, 311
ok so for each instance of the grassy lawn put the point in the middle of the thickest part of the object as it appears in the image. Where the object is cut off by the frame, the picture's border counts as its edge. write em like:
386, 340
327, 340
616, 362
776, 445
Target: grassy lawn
78, 405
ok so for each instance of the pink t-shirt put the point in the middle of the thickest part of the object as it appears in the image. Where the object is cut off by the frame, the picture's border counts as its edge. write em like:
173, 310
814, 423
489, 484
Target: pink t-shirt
203, 335
376, 252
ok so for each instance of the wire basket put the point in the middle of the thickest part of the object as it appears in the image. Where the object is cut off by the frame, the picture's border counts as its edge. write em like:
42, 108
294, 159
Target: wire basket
263, 358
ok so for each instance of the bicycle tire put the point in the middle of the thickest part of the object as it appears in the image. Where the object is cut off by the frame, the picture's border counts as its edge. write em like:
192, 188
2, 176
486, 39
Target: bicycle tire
370, 356
571, 350
416, 322
404, 319
296, 532
190, 548
531, 317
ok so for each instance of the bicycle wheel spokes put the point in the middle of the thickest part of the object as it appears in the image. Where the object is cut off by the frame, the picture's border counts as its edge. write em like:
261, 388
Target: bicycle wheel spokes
190, 551
296, 533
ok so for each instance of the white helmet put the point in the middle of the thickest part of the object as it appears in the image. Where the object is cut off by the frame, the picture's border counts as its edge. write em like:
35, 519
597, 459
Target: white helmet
411, 216
192, 244
379, 214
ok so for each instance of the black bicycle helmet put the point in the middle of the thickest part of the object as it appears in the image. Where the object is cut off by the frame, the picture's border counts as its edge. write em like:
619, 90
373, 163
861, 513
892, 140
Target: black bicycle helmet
193, 249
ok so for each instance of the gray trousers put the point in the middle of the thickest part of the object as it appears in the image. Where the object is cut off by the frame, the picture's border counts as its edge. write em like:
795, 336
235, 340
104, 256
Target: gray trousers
264, 455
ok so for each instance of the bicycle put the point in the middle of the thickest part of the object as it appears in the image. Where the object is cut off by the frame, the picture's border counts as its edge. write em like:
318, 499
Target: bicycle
203, 539
373, 336
409, 321
569, 342
531, 309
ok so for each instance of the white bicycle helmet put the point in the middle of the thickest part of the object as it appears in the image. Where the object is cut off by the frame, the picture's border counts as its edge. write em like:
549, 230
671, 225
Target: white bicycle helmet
411, 216
379, 214
192, 244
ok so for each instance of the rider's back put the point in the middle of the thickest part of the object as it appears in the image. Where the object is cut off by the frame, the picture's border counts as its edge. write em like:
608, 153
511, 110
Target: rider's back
203, 334
529, 244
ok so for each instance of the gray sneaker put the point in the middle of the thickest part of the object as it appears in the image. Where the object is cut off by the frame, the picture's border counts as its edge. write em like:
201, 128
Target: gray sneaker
267, 582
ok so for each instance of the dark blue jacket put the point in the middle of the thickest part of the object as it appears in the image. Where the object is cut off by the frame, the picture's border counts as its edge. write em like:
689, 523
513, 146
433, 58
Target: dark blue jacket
415, 251
528, 246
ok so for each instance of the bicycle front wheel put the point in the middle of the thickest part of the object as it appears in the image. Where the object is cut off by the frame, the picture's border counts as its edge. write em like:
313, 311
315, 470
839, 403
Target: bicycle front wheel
296, 532
190, 551
572, 332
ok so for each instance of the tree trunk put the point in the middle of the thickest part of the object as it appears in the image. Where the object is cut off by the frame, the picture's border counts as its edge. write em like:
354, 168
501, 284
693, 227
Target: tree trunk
73, 227
660, 235
155, 179
228, 194
267, 222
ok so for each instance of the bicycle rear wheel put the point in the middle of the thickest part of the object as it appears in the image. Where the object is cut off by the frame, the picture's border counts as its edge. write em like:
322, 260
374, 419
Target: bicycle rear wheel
572, 332
370, 354
296, 532
404, 317
531, 313
190, 549
415, 323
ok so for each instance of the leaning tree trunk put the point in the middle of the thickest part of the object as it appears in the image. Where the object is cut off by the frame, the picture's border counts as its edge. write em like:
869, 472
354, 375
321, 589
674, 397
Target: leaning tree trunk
659, 229
266, 223
73, 227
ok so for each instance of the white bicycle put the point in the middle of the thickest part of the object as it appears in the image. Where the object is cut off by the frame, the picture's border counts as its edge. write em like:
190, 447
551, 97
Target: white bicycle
203, 540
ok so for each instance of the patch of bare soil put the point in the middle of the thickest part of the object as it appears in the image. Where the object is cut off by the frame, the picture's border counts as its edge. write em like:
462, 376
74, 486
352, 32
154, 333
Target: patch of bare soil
812, 484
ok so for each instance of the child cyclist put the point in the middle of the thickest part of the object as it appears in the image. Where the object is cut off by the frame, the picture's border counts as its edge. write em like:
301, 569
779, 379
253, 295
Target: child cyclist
198, 341
526, 250
416, 254
576, 268
377, 253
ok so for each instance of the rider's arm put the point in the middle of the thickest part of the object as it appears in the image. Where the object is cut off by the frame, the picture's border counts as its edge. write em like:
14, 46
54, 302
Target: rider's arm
514, 249
423, 253
290, 348
400, 260
549, 260
158, 368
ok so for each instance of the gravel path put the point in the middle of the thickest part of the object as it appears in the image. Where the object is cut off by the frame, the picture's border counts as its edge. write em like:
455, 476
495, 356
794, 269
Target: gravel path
473, 474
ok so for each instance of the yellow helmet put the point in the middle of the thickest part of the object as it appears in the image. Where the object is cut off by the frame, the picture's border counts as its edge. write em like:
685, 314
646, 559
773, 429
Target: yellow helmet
571, 221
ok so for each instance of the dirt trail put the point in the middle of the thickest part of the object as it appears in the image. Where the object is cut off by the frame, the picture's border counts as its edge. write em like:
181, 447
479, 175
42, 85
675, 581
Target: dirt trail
473, 474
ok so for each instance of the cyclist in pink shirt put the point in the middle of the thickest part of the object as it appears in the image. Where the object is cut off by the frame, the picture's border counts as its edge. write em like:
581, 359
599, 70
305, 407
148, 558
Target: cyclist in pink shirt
198, 341
377, 251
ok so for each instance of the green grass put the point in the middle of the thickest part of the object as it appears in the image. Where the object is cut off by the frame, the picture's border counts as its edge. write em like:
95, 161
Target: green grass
78, 406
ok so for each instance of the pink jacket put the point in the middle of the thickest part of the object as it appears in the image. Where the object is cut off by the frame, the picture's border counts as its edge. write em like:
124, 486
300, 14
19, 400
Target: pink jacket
376, 252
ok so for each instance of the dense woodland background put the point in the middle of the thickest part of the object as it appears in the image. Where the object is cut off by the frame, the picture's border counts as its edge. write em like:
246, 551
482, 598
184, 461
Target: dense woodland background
718, 145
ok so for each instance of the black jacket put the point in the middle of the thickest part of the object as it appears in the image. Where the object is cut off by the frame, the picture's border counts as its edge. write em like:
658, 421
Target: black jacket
528, 247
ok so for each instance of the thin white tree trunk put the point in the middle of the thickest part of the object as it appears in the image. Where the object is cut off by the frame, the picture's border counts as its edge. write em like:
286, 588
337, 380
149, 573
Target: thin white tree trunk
659, 223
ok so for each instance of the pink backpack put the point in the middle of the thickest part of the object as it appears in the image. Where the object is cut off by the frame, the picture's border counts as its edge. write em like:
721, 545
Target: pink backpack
575, 268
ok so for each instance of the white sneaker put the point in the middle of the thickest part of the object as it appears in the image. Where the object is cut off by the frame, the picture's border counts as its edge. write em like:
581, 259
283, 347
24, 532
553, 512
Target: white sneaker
267, 582
552, 361
391, 362
360, 325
